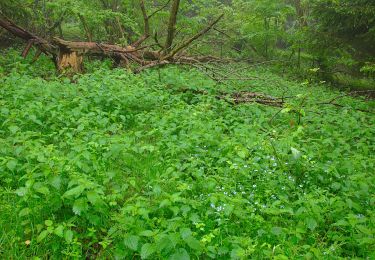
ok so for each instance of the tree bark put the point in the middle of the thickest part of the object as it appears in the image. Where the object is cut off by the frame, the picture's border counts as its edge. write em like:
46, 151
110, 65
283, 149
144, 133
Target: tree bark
92, 47
69, 62
146, 33
17, 31
172, 25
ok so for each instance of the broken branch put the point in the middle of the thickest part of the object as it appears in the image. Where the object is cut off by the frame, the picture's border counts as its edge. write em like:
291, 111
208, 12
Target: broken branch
190, 40
17, 31
146, 33
158, 10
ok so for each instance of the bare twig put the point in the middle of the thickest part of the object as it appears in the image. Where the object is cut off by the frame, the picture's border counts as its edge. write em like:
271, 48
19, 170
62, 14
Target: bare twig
159, 9
342, 106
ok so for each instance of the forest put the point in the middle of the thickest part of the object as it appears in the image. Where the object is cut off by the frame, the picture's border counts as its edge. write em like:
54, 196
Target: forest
187, 129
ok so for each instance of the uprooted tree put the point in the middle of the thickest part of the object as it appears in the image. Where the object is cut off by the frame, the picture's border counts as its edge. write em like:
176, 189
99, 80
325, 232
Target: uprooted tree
68, 55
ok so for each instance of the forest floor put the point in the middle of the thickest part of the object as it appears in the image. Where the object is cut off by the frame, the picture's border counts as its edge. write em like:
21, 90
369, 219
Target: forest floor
166, 164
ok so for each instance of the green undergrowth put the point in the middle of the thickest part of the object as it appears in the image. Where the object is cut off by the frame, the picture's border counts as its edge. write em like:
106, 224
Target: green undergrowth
112, 165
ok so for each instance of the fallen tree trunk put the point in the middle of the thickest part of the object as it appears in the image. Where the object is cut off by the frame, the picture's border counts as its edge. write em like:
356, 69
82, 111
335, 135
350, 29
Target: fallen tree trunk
253, 97
32, 39
92, 47
68, 55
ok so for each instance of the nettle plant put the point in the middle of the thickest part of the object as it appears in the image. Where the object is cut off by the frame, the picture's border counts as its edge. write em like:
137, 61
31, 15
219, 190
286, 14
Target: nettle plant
297, 108
116, 165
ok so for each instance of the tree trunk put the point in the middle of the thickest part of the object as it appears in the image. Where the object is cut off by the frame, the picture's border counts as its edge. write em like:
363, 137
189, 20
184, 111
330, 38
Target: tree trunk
17, 31
70, 62
267, 27
172, 25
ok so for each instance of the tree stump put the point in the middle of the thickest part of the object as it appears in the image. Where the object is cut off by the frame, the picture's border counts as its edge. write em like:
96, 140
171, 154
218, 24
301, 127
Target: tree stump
69, 62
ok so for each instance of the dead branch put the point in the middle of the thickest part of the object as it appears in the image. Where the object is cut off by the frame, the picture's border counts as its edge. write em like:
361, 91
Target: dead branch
37, 55
250, 97
58, 22
190, 40
246, 97
68, 55
92, 47
19, 32
27, 48
222, 32
157, 41
85, 26
342, 106
152, 65
146, 23
159, 9
366, 93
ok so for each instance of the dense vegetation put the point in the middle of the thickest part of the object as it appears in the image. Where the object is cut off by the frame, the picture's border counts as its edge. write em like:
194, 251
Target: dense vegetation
118, 165
334, 36
266, 151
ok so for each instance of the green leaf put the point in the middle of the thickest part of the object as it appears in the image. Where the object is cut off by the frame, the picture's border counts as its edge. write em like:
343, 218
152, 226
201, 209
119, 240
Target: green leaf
93, 197
341, 222
336, 186
147, 250
311, 223
185, 232
164, 243
131, 241
365, 230
59, 230
180, 254
75, 192
193, 243
13, 129
222, 250
24, 212
80, 128
41, 158
55, 182
285, 110
80, 206
68, 236
165, 203
42, 236
21, 191
48, 223
146, 233
43, 190
12, 164
277, 231
242, 153
237, 253
296, 154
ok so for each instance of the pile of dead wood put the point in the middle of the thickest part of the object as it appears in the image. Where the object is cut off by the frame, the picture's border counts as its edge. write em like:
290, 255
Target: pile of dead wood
68, 55
250, 97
